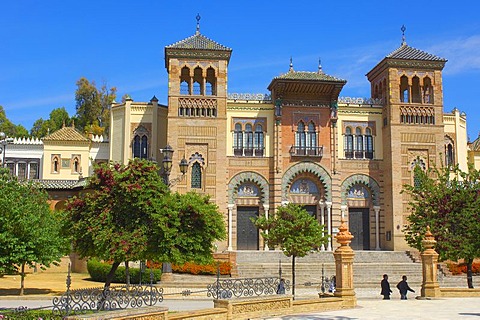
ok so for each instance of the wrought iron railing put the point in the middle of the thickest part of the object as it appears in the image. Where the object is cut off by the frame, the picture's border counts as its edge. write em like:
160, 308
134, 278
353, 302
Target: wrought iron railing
97, 299
306, 151
245, 287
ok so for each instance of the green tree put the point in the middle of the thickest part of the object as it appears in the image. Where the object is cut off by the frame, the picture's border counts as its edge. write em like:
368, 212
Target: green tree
93, 104
29, 230
447, 200
58, 118
129, 214
10, 129
294, 231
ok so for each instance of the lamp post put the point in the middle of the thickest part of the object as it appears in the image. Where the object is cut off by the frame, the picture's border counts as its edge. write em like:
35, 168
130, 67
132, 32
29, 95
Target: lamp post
3, 146
167, 168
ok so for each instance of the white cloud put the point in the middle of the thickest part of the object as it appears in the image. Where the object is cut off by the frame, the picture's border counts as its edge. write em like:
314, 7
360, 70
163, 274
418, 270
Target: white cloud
462, 54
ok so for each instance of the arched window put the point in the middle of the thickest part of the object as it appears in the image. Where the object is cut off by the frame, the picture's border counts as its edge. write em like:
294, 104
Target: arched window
427, 90
197, 81
358, 143
416, 94
414, 164
248, 140
76, 165
300, 139
140, 146
449, 155
238, 140
348, 143
55, 164
185, 81
368, 144
404, 94
311, 143
258, 141
196, 182
210, 89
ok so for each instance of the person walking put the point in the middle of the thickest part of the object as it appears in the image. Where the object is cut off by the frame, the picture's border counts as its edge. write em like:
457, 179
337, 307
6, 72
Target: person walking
386, 291
403, 287
281, 287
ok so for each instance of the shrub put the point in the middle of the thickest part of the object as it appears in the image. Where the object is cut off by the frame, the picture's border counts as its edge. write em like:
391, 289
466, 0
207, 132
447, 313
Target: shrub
29, 315
98, 272
459, 268
211, 268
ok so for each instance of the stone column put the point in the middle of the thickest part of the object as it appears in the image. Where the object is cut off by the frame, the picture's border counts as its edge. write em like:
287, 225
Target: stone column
230, 229
322, 220
430, 287
377, 227
344, 210
344, 265
329, 225
265, 208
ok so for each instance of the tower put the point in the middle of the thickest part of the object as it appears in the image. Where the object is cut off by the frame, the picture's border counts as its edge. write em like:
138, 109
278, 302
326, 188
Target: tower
408, 81
196, 121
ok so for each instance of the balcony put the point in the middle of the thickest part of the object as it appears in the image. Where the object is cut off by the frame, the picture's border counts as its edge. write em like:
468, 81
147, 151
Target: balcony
248, 152
303, 151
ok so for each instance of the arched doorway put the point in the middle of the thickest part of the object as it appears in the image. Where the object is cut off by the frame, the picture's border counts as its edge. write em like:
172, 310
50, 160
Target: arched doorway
360, 206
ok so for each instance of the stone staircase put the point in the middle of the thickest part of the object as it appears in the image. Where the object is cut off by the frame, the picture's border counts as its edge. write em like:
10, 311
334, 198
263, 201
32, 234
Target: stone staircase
369, 267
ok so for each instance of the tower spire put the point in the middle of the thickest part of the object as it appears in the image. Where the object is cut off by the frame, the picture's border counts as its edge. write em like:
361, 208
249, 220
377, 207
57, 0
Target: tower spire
198, 23
403, 35
291, 64
320, 70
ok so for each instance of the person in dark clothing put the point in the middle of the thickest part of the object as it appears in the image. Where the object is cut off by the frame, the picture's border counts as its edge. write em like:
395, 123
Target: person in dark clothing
403, 287
281, 287
385, 288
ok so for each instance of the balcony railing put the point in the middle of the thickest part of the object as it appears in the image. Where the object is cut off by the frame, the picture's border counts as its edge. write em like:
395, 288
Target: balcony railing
248, 152
303, 151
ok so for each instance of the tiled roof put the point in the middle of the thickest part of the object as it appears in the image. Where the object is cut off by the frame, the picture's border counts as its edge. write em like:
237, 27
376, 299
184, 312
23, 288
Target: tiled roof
306, 75
65, 134
475, 145
61, 184
406, 52
198, 41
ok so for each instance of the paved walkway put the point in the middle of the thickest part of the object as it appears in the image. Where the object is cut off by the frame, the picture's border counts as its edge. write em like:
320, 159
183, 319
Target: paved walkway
372, 309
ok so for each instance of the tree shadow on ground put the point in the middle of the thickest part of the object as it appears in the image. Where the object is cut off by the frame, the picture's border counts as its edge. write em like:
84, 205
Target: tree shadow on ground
28, 291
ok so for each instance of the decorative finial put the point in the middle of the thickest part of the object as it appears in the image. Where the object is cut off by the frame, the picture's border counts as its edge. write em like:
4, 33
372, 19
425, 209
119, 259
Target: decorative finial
320, 71
63, 124
198, 23
403, 35
291, 64
73, 123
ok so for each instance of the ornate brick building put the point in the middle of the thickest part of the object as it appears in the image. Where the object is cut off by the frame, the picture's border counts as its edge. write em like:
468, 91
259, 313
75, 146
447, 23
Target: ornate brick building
302, 142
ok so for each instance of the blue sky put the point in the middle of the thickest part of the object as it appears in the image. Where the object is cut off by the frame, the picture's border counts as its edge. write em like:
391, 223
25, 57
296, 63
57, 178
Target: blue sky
48, 45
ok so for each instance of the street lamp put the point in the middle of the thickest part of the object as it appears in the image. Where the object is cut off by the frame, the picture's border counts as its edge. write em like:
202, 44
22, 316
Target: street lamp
167, 168
3, 146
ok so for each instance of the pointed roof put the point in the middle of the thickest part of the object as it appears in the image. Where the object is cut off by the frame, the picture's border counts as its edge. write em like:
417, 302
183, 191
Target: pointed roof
197, 46
475, 145
308, 75
405, 52
65, 134
198, 42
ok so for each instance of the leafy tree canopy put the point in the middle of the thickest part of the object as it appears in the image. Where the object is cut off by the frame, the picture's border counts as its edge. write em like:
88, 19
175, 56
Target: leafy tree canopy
58, 118
93, 104
29, 230
447, 200
294, 231
10, 129
129, 214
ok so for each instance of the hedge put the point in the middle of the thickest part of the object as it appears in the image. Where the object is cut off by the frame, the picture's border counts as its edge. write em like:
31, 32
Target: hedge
98, 272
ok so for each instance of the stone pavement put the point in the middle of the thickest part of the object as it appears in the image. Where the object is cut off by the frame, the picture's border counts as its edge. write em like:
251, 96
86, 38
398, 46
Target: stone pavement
373, 309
